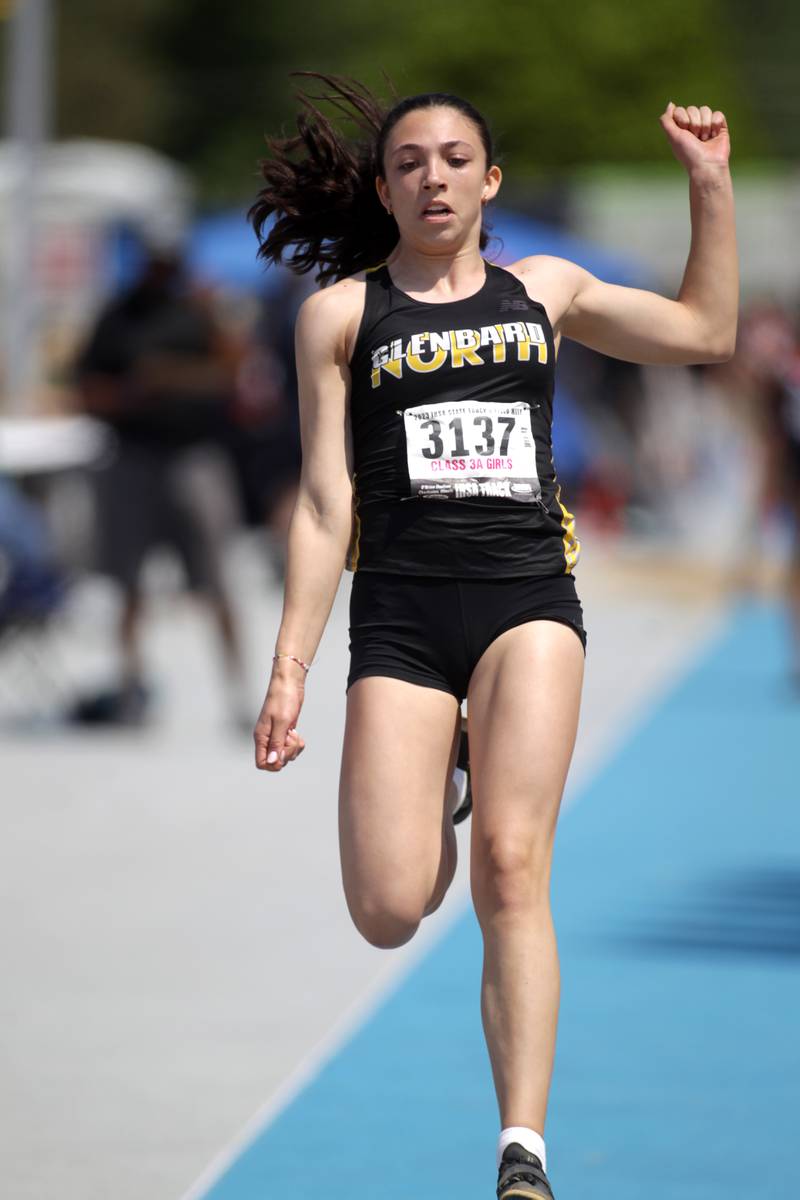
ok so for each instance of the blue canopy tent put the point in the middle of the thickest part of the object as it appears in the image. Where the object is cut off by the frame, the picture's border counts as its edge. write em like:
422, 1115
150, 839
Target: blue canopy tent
222, 249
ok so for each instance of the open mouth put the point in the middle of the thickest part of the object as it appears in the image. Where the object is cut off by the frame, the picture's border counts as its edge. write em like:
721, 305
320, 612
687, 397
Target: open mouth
434, 211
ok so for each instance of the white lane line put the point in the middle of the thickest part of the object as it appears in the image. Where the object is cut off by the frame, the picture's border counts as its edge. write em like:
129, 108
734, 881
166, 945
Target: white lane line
401, 964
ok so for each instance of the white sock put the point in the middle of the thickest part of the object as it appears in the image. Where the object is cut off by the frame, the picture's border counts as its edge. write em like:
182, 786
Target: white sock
529, 1139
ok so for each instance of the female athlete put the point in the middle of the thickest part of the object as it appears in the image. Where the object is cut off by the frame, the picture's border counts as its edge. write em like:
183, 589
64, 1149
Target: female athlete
425, 377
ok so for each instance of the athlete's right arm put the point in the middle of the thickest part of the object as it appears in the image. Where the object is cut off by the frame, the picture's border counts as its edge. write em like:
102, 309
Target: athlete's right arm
319, 533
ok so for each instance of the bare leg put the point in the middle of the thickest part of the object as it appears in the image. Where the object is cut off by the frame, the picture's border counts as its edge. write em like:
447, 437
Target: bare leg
129, 638
280, 515
233, 660
397, 842
228, 635
524, 701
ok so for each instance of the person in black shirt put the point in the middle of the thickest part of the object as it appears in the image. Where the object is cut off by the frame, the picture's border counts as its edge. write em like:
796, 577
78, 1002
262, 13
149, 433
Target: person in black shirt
156, 368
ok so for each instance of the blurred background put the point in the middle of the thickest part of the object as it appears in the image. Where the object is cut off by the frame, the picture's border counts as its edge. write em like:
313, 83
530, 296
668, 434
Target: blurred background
134, 138
149, 454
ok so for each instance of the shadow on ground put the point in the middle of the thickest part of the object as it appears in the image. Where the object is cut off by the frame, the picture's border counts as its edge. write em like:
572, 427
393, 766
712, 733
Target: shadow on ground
752, 912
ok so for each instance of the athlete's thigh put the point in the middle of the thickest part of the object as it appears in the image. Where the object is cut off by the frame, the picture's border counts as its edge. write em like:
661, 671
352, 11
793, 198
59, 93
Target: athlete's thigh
524, 703
400, 742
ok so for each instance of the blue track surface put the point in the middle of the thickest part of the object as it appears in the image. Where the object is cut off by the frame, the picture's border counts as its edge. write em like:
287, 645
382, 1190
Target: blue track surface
677, 902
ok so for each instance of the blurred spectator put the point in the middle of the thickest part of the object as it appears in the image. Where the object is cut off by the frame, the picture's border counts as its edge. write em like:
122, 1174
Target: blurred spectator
697, 454
601, 398
767, 366
157, 368
267, 440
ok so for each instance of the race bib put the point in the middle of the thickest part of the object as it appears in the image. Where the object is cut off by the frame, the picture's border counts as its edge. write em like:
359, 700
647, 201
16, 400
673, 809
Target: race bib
464, 449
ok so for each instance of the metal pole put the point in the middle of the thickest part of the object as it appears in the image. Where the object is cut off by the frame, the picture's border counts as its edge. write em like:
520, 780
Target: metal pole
27, 124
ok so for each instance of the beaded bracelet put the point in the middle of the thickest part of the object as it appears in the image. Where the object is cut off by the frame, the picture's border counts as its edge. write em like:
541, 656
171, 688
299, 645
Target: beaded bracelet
306, 666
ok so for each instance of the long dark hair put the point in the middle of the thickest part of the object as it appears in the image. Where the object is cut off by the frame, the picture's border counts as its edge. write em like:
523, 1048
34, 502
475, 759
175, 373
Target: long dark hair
324, 198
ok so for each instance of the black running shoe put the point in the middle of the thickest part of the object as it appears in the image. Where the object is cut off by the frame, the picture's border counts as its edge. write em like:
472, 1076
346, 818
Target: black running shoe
521, 1176
463, 781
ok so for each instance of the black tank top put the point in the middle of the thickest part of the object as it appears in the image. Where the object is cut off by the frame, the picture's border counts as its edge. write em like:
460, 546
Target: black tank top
451, 410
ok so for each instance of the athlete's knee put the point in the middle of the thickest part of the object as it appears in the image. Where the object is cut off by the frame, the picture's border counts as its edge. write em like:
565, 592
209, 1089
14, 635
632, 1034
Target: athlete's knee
385, 926
512, 872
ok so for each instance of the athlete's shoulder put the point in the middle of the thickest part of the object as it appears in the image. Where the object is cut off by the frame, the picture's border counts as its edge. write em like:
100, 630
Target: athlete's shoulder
333, 313
550, 280
335, 298
537, 265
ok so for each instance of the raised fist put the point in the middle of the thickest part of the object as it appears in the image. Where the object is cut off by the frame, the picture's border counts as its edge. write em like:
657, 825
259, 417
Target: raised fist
698, 136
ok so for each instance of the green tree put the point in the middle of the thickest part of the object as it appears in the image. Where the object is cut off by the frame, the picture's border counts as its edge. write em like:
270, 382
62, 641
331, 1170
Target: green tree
108, 80
563, 84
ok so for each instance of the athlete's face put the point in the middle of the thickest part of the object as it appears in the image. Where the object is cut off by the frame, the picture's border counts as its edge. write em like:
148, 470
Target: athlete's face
436, 176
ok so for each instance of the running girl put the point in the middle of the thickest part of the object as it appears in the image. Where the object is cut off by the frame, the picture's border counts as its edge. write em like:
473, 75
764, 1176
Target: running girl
426, 383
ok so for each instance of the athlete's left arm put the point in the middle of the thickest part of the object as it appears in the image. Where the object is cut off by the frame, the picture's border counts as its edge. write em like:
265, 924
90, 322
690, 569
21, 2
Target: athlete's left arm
700, 326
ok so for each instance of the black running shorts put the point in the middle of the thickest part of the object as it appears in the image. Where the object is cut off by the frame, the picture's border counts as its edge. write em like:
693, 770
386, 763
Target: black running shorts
433, 631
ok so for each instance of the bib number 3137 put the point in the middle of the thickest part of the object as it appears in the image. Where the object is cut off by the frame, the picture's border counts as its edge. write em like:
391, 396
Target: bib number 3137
464, 449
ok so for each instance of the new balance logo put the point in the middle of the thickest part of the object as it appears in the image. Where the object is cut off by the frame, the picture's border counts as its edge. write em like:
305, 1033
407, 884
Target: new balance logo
515, 305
